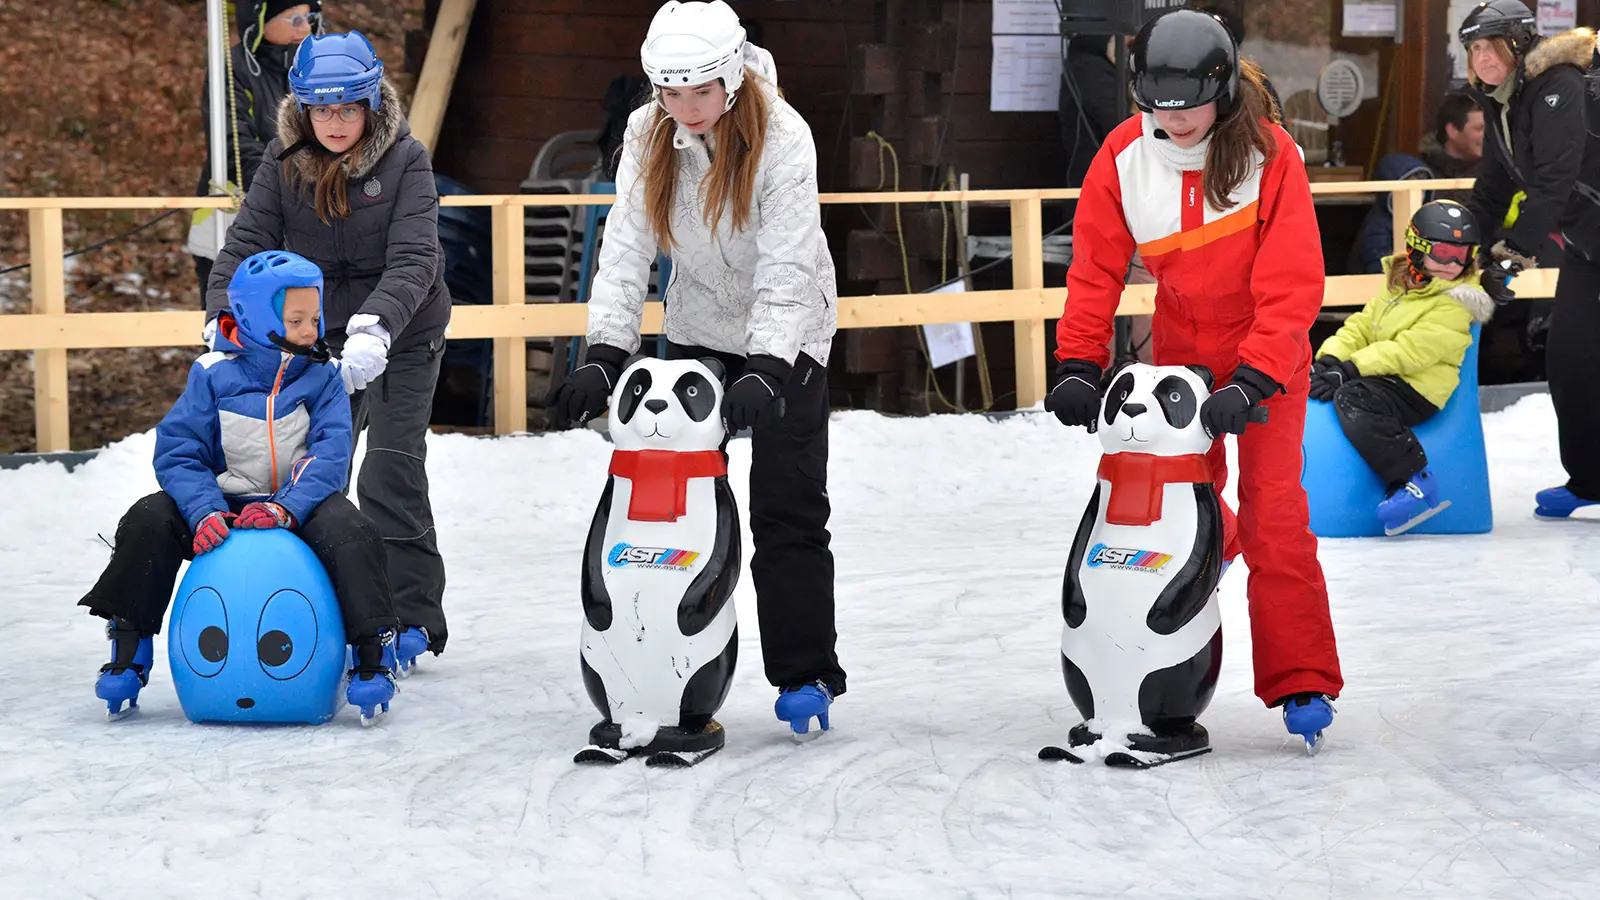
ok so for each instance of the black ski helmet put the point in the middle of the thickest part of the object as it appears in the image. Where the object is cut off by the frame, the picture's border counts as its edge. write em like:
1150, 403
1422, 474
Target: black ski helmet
1509, 19
1442, 222
1183, 59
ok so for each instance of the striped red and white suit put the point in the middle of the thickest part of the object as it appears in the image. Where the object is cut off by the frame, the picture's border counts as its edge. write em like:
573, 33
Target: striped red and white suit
1240, 285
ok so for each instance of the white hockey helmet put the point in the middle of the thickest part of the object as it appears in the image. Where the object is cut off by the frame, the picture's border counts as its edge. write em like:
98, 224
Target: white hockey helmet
693, 43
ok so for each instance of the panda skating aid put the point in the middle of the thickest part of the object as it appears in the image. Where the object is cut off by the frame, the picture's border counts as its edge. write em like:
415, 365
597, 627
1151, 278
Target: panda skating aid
1141, 646
660, 635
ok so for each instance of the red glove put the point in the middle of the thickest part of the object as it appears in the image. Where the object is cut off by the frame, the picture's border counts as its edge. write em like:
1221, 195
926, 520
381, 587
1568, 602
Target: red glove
212, 532
264, 515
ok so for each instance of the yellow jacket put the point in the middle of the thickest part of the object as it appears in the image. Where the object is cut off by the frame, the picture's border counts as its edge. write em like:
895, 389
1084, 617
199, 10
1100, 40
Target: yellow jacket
1420, 334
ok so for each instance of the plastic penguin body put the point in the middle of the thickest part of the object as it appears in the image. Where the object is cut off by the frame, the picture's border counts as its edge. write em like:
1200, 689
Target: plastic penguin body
1142, 644
660, 635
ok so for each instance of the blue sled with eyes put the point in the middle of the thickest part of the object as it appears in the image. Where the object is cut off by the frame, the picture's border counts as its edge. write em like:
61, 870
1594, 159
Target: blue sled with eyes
256, 635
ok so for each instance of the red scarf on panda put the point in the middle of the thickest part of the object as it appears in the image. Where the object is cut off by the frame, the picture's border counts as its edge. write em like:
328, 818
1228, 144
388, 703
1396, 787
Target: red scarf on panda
659, 479
1138, 479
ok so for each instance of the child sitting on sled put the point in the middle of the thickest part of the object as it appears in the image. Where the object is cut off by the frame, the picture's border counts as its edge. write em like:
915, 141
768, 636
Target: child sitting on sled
1395, 363
260, 438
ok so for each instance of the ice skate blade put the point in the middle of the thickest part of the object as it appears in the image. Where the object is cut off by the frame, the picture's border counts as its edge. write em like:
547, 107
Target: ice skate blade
1138, 759
1314, 744
597, 754
370, 717
670, 759
117, 715
1418, 520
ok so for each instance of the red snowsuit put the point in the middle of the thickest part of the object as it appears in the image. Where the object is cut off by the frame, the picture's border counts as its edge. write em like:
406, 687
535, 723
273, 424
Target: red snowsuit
1241, 285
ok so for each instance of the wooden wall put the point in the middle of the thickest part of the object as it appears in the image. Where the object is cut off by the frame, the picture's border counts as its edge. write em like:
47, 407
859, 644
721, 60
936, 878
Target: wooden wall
534, 68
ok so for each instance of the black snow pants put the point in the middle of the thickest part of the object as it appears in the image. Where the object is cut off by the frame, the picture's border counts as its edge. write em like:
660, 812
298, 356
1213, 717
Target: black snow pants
1377, 414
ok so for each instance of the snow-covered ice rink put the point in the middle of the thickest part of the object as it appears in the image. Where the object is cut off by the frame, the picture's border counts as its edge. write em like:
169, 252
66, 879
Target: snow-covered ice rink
1464, 762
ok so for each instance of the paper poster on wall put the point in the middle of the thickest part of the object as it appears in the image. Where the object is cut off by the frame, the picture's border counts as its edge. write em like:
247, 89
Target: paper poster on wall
1459, 9
1556, 16
1369, 18
1026, 17
949, 342
1026, 75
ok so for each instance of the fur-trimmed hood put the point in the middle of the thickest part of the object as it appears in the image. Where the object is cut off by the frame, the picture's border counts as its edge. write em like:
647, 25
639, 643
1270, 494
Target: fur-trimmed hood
1475, 299
388, 125
1575, 47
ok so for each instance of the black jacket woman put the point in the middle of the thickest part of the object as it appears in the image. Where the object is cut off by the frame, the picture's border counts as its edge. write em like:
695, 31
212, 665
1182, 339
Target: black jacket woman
1538, 143
347, 186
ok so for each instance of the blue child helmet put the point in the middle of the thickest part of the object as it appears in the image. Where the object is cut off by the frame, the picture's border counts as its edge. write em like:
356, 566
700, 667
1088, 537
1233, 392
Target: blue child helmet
337, 68
256, 293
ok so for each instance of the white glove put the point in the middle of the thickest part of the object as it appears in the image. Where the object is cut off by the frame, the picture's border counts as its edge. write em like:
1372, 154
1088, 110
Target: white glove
366, 352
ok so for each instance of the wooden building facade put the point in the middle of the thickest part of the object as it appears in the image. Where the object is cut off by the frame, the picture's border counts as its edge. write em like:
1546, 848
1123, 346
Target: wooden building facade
897, 94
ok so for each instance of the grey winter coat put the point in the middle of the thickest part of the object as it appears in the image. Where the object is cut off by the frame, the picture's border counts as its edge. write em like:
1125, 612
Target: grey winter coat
383, 259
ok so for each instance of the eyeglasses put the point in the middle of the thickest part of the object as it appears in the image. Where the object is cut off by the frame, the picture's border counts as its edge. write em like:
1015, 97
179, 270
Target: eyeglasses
308, 20
347, 114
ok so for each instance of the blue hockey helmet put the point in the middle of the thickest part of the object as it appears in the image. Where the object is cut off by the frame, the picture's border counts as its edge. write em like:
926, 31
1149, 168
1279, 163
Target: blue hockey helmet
256, 294
337, 68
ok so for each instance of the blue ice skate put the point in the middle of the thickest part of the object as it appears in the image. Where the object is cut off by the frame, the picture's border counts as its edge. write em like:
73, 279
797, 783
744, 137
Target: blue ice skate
412, 643
372, 683
129, 670
1558, 503
797, 706
1307, 715
1412, 504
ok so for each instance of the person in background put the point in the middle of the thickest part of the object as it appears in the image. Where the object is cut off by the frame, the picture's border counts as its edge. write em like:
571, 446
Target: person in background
1541, 144
269, 33
1455, 149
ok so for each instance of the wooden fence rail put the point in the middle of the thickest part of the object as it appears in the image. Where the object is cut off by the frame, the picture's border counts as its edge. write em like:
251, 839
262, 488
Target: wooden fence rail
49, 331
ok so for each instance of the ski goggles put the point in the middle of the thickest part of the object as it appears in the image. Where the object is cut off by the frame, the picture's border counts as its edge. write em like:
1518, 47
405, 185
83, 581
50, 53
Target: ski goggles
1439, 251
1445, 254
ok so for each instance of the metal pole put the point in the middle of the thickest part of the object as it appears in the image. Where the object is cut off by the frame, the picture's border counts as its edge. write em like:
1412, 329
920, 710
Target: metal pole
1121, 329
217, 78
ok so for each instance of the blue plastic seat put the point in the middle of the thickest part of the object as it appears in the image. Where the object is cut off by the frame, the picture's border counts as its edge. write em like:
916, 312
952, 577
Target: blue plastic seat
255, 633
1344, 493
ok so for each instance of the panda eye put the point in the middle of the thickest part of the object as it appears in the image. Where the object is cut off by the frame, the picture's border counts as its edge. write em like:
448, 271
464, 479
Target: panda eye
1175, 397
1124, 395
638, 389
693, 391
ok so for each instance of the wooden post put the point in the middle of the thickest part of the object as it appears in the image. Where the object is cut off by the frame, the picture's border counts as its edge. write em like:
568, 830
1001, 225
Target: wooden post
49, 365
439, 70
1027, 273
1406, 204
510, 353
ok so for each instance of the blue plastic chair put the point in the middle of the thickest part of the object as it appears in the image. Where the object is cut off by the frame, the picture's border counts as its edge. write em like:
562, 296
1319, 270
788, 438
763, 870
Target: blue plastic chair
1344, 493
255, 633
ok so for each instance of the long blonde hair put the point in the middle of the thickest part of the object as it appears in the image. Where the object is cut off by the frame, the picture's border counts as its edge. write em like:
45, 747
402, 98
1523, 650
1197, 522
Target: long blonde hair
741, 136
1400, 273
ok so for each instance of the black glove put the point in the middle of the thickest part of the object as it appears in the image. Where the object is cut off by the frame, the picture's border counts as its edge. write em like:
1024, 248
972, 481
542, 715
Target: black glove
585, 393
1495, 278
1228, 410
1335, 374
756, 399
1076, 397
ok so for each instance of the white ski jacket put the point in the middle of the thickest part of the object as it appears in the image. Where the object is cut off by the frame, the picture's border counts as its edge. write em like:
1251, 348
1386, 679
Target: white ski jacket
769, 289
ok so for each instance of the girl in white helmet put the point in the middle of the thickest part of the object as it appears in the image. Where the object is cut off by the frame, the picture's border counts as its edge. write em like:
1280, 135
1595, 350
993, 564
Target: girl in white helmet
719, 172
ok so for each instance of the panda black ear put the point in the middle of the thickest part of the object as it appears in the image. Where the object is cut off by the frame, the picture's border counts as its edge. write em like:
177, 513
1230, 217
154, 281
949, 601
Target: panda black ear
1110, 377
628, 364
1205, 375
716, 367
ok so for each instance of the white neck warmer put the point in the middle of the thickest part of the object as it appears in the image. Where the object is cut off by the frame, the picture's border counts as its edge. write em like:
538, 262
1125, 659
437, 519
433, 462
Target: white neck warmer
1192, 159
